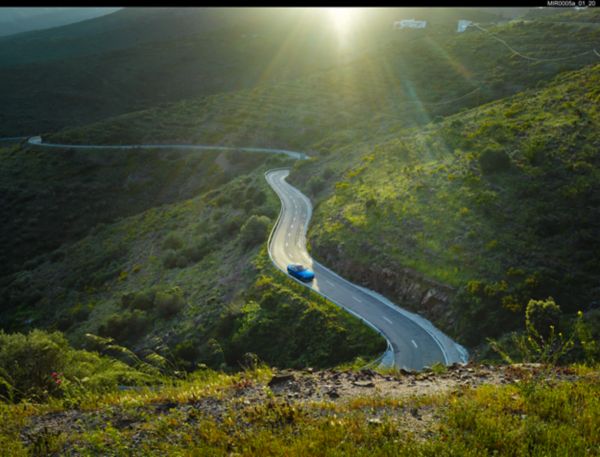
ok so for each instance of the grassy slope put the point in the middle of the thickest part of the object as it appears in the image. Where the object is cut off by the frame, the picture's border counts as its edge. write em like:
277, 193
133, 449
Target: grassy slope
213, 291
211, 415
346, 114
422, 201
50, 197
359, 103
84, 72
397, 84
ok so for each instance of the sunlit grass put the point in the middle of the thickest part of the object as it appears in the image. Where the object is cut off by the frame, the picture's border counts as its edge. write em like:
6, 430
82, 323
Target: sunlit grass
535, 417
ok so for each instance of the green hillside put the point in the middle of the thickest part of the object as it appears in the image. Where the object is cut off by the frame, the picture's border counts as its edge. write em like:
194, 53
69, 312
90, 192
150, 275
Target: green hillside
409, 80
190, 275
50, 197
131, 27
457, 228
499, 203
457, 174
87, 78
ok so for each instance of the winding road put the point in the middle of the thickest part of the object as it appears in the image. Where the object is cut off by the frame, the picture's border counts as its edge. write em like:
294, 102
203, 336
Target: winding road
413, 342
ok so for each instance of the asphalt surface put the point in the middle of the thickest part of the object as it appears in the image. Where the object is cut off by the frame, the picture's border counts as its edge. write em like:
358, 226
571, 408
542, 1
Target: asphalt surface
413, 342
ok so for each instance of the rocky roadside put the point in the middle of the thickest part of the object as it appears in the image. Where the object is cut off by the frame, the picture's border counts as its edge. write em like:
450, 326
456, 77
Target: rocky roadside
300, 388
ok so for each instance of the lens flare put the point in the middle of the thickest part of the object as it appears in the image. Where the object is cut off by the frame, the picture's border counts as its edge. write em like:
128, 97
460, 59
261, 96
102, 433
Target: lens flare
341, 17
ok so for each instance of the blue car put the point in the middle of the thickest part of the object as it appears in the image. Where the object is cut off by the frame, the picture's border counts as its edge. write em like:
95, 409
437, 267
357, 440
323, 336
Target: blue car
300, 272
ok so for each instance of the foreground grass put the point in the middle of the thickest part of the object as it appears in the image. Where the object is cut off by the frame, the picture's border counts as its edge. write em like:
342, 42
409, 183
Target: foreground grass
537, 416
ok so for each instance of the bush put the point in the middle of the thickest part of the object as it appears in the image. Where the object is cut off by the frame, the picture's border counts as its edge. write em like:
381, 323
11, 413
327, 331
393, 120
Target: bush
541, 316
27, 361
255, 230
173, 259
139, 300
213, 355
172, 241
316, 184
76, 313
197, 251
232, 226
169, 302
125, 326
187, 353
39, 364
166, 302
542, 342
493, 160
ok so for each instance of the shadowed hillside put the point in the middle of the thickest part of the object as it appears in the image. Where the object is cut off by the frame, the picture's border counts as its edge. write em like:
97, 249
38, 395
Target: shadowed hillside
411, 80
140, 57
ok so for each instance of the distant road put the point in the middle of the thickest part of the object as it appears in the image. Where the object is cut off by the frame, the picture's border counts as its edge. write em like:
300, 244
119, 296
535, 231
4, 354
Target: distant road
413, 342
37, 141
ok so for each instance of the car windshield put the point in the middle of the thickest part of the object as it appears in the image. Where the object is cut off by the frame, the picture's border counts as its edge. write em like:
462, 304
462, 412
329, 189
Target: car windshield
300, 268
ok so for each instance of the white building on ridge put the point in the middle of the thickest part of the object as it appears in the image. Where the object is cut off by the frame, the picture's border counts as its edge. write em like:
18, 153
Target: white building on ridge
410, 24
463, 25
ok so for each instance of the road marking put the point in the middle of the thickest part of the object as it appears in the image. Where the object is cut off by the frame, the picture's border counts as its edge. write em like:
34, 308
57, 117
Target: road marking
356, 298
292, 226
329, 282
387, 319
287, 244
414, 344
289, 234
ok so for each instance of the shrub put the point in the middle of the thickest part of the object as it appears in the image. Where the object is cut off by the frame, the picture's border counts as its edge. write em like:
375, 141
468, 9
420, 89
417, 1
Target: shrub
255, 230
197, 251
26, 362
173, 259
248, 205
172, 241
541, 316
213, 354
493, 160
169, 302
125, 326
232, 226
541, 342
143, 299
76, 313
187, 353
166, 302
316, 184
39, 364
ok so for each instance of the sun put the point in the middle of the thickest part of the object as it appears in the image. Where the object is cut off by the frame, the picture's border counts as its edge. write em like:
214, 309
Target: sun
343, 20
341, 17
